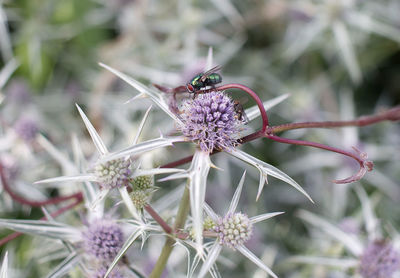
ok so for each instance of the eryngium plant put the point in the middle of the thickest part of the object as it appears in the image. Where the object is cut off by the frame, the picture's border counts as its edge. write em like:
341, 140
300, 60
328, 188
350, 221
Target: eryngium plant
213, 122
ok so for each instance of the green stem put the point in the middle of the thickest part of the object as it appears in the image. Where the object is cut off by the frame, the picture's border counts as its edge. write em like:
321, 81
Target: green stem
180, 220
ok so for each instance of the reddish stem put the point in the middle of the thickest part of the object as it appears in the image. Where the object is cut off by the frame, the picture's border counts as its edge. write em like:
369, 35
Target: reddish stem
24, 201
158, 219
253, 95
388, 115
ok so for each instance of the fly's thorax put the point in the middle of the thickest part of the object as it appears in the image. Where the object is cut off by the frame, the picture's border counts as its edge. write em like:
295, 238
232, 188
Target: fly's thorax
196, 82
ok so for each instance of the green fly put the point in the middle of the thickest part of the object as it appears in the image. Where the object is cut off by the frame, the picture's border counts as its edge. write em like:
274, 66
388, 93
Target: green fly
204, 79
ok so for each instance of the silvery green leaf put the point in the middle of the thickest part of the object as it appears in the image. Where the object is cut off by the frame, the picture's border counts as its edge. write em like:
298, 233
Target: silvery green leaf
155, 171
265, 216
42, 228
267, 169
253, 112
5, 43
65, 266
138, 96
230, 12
343, 263
77, 178
154, 95
123, 250
98, 142
7, 70
128, 202
99, 200
350, 242
304, 39
182, 175
198, 181
236, 196
4, 267
371, 222
347, 50
367, 23
140, 129
247, 253
143, 147
211, 258
210, 212
68, 167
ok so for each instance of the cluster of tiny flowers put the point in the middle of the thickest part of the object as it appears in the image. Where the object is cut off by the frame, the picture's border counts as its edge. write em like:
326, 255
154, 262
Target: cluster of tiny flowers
211, 120
379, 260
115, 273
103, 239
234, 229
114, 173
26, 129
142, 187
140, 198
142, 182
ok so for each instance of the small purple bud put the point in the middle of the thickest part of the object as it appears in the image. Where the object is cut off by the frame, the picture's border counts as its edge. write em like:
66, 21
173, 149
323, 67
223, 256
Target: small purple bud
103, 239
234, 229
379, 260
114, 173
26, 129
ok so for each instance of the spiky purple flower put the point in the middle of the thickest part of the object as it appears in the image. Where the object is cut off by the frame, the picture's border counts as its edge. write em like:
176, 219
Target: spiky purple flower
234, 229
379, 260
211, 120
26, 128
114, 173
115, 273
103, 239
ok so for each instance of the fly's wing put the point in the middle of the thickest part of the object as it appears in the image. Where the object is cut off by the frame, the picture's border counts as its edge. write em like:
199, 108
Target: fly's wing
207, 73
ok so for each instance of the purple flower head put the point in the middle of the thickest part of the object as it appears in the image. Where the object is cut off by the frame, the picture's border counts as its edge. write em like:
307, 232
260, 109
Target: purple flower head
379, 260
114, 173
103, 239
211, 120
26, 129
115, 273
234, 229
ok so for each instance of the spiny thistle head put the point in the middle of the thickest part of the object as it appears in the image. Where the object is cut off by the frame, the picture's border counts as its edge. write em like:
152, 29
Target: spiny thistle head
211, 120
140, 198
379, 260
142, 182
234, 229
26, 129
114, 173
103, 239
100, 273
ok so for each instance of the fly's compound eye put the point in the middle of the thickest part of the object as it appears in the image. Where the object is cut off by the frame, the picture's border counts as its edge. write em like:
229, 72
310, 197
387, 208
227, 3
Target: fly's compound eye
189, 88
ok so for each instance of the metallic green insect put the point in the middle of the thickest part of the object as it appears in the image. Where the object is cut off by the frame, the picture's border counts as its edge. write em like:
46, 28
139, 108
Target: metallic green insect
204, 79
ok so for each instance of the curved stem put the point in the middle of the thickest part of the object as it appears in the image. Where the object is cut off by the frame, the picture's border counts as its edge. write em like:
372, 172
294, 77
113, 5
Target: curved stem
365, 165
388, 115
253, 95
